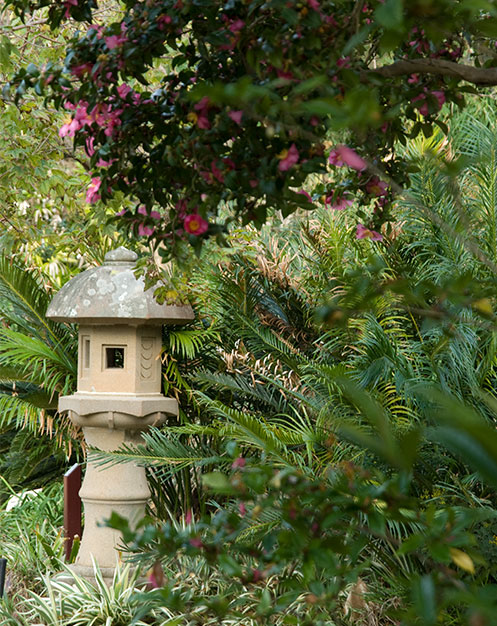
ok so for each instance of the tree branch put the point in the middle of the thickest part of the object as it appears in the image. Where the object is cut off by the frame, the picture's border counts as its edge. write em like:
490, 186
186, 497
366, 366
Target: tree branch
469, 73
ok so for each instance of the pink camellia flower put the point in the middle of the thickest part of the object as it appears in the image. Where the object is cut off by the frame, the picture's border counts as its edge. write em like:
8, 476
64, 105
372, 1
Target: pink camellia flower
337, 203
216, 172
284, 74
238, 463
163, 21
114, 41
97, 28
195, 224
202, 105
366, 233
104, 163
70, 128
89, 146
242, 508
335, 158
230, 164
236, 116
106, 117
92, 194
81, 70
314, 4
440, 96
343, 62
343, 155
145, 231
236, 25
153, 214
423, 106
288, 158
181, 208
67, 5
202, 108
123, 90
203, 122
256, 575
341, 203
377, 187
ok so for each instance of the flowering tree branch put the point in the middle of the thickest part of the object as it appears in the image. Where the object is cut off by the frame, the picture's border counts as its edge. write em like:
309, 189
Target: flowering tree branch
440, 67
241, 114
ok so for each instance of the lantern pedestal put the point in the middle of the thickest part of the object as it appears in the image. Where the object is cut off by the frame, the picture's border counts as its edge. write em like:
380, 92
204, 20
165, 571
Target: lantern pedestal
119, 488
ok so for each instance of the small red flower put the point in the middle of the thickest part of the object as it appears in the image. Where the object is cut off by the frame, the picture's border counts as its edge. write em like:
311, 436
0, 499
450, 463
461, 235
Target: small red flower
343, 155
92, 194
376, 187
366, 233
195, 225
236, 116
337, 202
288, 158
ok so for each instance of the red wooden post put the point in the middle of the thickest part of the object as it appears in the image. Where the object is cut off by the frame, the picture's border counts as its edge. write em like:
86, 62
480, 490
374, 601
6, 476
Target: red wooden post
72, 506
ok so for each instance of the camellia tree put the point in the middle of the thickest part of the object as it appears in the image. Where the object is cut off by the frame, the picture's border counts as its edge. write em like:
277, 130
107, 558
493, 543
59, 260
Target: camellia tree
204, 112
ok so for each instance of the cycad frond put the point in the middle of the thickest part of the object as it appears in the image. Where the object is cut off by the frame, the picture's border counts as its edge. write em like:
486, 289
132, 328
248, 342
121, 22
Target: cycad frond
24, 299
47, 366
187, 342
260, 341
243, 388
19, 412
248, 429
163, 450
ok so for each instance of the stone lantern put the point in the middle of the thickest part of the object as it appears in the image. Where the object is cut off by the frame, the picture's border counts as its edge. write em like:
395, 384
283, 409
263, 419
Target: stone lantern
119, 390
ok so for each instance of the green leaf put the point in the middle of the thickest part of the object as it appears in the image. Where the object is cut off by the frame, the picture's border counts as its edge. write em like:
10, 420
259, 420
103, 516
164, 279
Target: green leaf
229, 566
486, 27
390, 14
424, 598
218, 482
466, 434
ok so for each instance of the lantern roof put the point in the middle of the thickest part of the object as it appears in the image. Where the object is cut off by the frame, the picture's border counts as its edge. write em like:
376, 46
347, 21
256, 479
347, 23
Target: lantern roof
112, 294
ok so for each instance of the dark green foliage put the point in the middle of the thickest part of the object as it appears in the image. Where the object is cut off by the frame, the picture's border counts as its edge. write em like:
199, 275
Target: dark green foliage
335, 359
296, 544
37, 364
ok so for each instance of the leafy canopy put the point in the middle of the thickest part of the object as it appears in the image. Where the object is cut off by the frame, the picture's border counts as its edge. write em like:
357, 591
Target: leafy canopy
206, 111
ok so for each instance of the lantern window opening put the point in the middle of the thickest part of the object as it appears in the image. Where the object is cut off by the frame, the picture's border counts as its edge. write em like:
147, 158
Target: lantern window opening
86, 353
114, 357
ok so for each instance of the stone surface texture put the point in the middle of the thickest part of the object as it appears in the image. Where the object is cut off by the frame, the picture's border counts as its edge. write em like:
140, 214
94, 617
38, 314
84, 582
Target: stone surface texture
112, 293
